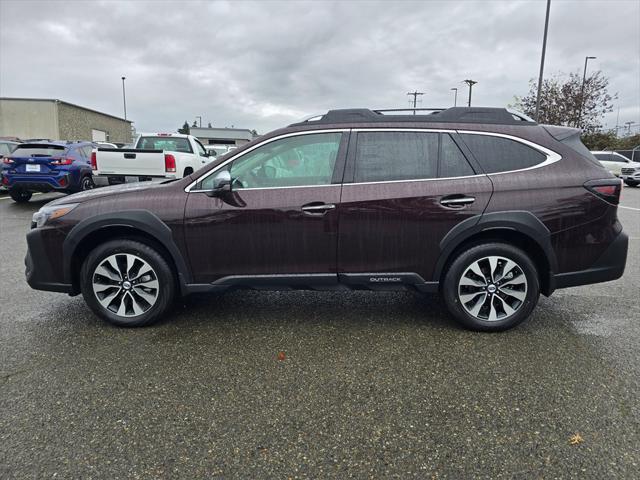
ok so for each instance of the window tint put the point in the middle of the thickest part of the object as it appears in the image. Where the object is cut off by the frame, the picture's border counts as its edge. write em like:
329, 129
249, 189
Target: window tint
39, 151
4, 149
497, 154
288, 162
603, 156
201, 150
384, 156
87, 151
452, 161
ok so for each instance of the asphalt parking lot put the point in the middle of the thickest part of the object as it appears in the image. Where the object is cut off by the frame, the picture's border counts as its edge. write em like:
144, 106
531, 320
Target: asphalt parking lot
372, 385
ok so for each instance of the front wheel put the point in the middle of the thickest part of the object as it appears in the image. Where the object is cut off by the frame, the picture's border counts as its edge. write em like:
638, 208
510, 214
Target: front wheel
491, 287
127, 283
20, 196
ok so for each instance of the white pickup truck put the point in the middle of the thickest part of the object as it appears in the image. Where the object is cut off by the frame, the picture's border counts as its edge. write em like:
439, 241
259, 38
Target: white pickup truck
155, 156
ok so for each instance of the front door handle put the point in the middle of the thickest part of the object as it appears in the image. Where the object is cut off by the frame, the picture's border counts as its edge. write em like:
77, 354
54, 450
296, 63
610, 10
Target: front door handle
317, 209
456, 201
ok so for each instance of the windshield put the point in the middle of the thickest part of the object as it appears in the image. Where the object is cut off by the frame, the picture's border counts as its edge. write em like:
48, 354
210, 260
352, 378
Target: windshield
38, 151
171, 144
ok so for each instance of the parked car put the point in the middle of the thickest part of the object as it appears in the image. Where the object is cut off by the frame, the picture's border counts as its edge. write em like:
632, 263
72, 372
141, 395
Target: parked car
612, 161
485, 207
6, 147
104, 145
157, 156
46, 167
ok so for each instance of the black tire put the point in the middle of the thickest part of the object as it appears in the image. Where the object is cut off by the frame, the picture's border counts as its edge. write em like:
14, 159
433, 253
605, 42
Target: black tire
86, 183
463, 263
20, 196
161, 272
631, 184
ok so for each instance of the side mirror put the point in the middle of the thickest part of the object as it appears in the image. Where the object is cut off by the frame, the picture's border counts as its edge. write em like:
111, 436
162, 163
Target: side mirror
221, 184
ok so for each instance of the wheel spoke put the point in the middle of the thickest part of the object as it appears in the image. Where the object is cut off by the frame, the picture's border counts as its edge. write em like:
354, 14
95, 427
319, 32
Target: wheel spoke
153, 283
467, 297
107, 273
478, 306
505, 306
508, 266
518, 279
137, 309
514, 293
493, 266
131, 260
493, 314
106, 300
475, 268
148, 297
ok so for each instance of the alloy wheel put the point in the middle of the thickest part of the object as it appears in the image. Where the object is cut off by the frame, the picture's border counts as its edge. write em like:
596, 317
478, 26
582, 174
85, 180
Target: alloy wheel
125, 284
492, 288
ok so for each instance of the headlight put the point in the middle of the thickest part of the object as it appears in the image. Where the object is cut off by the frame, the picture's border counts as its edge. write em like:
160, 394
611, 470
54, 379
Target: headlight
42, 216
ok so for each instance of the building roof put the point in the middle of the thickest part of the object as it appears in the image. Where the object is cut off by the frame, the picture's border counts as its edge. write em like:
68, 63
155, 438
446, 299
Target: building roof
55, 100
221, 133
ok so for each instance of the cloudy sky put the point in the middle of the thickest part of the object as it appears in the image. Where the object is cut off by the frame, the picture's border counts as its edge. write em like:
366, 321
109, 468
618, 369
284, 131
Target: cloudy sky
265, 64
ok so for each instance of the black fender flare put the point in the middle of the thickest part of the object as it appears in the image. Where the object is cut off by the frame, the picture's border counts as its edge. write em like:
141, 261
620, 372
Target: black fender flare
522, 222
142, 220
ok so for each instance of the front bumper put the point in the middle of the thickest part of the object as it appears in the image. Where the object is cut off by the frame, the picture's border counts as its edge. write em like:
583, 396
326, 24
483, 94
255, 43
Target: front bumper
610, 266
39, 272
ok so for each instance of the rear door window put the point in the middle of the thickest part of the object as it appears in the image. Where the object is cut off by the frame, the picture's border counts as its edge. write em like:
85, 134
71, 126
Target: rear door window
499, 154
452, 161
389, 156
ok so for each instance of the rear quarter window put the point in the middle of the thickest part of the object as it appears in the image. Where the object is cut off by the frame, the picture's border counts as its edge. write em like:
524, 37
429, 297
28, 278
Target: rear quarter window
499, 154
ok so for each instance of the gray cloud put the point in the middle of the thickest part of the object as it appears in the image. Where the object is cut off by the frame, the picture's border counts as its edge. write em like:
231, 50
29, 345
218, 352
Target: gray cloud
265, 64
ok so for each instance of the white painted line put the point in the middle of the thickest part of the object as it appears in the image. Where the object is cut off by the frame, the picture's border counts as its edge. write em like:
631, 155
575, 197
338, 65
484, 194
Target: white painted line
630, 208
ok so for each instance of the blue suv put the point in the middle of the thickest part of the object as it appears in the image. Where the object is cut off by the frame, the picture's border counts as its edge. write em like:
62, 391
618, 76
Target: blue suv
46, 167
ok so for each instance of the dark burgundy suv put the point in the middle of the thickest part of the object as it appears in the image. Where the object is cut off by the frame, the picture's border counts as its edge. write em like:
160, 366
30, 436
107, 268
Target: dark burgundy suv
481, 204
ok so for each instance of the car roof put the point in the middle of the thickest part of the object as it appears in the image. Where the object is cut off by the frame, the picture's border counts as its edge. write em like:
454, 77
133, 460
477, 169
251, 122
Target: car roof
466, 115
57, 143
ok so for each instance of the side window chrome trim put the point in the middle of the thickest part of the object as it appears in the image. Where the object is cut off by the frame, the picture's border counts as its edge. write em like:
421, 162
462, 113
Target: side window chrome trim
552, 157
414, 180
189, 187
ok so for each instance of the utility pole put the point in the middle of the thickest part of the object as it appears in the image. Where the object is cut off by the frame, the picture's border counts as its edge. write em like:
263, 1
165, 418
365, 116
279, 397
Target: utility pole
544, 50
584, 77
200, 120
455, 97
124, 99
628, 124
471, 83
415, 99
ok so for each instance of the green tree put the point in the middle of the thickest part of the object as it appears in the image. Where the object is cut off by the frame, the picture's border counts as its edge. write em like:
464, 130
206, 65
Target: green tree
600, 140
563, 101
185, 128
209, 125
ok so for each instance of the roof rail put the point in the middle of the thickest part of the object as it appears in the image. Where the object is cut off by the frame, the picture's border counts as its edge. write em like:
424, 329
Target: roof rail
499, 116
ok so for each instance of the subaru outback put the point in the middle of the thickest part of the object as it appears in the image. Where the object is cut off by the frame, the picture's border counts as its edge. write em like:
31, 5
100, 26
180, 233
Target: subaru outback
483, 205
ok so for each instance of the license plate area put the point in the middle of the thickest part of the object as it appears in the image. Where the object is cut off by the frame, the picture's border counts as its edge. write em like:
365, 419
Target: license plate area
33, 168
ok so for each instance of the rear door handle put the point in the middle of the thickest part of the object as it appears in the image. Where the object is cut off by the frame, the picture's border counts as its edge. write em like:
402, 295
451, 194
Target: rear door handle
317, 209
456, 201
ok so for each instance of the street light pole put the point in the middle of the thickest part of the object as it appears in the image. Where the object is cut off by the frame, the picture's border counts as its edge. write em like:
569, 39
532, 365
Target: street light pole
455, 96
544, 50
124, 99
200, 120
584, 77
471, 83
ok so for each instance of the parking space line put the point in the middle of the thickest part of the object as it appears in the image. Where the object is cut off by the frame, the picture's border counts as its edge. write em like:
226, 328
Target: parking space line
630, 208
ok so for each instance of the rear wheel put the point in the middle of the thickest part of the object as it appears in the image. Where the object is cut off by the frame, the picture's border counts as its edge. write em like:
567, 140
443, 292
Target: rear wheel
20, 196
630, 183
127, 283
491, 287
86, 183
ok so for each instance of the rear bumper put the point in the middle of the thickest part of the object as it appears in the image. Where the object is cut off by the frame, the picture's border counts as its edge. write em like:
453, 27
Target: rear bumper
610, 266
39, 183
106, 180
39, 272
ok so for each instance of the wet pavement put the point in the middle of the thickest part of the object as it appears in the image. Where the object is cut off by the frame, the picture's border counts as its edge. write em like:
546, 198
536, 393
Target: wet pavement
372, 385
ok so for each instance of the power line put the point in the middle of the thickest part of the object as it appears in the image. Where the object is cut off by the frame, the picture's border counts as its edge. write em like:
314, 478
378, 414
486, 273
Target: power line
415, 99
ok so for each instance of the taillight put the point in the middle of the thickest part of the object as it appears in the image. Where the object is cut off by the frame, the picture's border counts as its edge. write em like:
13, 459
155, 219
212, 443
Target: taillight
7, 161
608, 190
62, 161
94, 161
169, 163
5, 181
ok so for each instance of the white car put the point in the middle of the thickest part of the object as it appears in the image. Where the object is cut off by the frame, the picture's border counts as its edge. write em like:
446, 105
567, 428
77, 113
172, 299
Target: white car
156, 156
612, 161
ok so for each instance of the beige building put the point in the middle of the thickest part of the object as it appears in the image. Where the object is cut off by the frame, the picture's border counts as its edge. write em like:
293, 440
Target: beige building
58, 120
